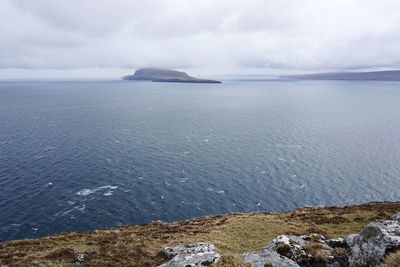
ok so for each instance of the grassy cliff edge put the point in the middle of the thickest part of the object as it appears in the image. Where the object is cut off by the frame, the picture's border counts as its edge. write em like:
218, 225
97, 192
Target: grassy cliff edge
233, 234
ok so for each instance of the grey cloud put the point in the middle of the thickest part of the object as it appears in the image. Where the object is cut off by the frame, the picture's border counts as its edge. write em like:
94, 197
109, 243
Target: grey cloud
224, 34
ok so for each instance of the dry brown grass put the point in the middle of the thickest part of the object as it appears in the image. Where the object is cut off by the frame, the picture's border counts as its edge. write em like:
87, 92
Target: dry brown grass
232, 260
315, 249
393, 260
233, 234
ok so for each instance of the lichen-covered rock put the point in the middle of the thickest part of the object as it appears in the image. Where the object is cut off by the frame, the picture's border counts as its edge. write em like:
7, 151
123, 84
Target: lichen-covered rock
369, 247
306, 249
290, 246
191, 254
268, 257
185, 260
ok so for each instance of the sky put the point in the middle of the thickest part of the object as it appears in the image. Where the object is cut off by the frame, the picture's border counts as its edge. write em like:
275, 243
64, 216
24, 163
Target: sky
112, 37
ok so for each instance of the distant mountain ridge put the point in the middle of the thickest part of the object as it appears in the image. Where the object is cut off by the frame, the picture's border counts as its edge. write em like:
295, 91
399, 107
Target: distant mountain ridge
391, 75
165, 75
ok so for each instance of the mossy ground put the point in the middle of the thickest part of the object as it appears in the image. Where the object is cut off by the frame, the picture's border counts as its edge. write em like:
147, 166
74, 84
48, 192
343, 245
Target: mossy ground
233, 234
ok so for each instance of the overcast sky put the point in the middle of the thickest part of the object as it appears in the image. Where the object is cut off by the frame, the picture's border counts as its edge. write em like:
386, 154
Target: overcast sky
224, 35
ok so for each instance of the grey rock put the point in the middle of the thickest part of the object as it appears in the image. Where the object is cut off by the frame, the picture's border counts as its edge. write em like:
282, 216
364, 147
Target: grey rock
395, 217
290, 246
191, 254
185, 260
313, 237
266, 256
190, 248
336, 242
296, 248
80, 257
369, 247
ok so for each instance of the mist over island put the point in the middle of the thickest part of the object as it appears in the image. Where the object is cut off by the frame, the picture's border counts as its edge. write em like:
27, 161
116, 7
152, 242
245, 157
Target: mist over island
165, 75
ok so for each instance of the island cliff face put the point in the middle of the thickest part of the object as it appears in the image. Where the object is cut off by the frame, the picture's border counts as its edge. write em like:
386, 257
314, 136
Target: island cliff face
165, 75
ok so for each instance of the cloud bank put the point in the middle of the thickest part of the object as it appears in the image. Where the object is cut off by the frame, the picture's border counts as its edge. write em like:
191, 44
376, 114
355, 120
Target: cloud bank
205, 34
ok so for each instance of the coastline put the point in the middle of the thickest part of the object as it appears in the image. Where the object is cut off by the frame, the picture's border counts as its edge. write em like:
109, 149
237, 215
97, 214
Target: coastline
233, 234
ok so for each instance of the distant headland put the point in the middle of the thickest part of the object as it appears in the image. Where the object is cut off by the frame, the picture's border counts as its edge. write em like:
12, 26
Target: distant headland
165, 75
391, 75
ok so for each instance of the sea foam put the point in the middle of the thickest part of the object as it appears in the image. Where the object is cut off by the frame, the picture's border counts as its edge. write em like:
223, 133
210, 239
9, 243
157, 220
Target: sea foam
86, 192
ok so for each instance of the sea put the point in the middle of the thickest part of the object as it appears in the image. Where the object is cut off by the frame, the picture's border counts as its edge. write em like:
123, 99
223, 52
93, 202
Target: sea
83, 155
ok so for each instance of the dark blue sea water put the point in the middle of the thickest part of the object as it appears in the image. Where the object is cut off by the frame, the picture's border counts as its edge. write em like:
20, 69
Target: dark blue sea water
82, 155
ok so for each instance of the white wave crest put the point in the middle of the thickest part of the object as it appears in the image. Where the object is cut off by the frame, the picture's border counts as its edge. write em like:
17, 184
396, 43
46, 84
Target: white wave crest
86, 192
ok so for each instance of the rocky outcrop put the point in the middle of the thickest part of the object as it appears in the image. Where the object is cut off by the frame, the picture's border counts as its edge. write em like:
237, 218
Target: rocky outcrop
191, 254
165, 75
374, 242
290, 246
365, 249
305, 250
268, 257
